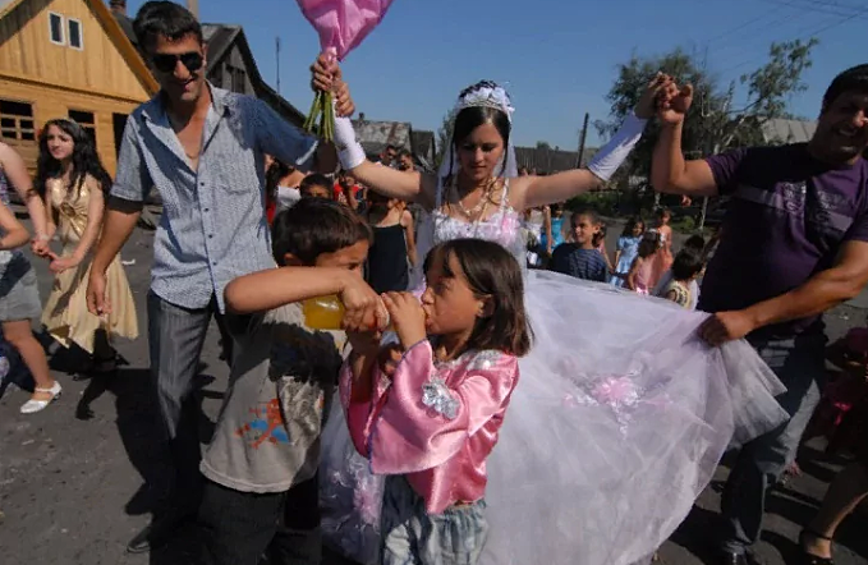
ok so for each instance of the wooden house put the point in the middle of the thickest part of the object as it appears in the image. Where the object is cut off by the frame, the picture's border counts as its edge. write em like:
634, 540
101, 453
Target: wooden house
67, 58
376, 135
231, 66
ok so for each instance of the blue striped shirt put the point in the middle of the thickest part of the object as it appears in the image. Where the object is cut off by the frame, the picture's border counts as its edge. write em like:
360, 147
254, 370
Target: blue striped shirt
213, 227
587, 264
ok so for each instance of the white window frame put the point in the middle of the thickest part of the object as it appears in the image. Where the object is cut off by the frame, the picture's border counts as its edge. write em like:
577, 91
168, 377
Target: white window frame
69, 22
62, 29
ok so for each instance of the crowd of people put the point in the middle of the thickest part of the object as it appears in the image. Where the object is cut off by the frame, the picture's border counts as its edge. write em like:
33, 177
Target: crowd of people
500, 389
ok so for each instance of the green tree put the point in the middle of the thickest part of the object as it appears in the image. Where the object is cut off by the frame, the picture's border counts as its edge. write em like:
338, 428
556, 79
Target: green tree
712, 124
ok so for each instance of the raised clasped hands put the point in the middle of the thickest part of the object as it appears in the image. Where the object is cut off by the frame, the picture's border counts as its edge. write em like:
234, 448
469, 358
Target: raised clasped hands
673, 103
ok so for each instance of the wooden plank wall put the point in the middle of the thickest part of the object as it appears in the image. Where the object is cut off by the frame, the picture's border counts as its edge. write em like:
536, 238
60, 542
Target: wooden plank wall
26, 51
51, 103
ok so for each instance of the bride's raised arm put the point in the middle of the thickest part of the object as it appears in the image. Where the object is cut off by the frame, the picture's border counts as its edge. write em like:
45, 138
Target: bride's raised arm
410, 186
532, 191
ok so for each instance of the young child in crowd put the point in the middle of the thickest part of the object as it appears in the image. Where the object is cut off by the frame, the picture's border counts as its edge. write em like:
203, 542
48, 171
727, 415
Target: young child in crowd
534, 219
316, 186
627, 250
600, 245
695, 244
580, 257
842, 415
431, 429
394, 240
281, 187
663, 257
553, 227
346, 191
261, 496
686, 267
639, 276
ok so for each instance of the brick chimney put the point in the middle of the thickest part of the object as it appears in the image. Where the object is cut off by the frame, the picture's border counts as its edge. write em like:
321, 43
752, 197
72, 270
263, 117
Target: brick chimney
118, 7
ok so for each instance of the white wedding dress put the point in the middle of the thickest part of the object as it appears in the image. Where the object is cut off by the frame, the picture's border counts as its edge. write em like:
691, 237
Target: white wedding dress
619, 419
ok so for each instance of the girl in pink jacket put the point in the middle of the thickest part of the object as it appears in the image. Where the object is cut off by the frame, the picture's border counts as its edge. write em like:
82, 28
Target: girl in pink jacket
431, 420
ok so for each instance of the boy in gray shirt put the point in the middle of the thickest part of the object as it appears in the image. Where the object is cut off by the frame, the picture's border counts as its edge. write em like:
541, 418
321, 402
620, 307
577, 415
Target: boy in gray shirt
262, 494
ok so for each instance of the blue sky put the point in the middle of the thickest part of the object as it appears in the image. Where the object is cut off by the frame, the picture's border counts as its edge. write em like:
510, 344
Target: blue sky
557, 57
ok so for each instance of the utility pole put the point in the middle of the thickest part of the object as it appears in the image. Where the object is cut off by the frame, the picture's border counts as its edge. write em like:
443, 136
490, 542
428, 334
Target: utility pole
277, 58
582, 141
193, 6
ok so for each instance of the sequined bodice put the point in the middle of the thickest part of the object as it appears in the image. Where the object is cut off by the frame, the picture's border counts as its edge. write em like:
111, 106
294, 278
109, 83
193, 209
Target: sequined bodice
504, 228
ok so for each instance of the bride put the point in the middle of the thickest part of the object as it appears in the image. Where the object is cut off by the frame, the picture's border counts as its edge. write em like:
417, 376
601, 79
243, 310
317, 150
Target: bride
621, 413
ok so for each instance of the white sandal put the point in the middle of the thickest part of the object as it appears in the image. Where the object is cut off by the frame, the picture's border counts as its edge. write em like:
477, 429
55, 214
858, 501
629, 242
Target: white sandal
32, 406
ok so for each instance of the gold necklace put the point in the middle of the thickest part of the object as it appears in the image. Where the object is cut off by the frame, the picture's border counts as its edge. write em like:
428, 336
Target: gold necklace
474, 213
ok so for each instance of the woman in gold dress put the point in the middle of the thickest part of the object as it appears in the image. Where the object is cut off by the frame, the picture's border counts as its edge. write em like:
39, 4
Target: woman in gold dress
74, 183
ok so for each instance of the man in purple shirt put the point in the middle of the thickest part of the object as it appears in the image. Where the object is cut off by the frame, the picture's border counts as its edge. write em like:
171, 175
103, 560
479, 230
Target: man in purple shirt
795, 243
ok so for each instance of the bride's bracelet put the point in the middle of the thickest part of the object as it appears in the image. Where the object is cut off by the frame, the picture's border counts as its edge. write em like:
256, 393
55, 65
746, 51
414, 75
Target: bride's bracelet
613, 154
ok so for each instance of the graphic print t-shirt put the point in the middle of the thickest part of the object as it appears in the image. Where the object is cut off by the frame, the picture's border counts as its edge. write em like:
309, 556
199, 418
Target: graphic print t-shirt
787, 219
282, 383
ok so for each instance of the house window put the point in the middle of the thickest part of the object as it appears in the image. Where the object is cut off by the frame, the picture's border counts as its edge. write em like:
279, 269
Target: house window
75, 39
55, 28
16, 121
86, 120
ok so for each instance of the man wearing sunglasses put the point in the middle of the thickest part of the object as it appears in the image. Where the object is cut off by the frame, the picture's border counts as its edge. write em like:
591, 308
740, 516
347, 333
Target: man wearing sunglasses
203, 149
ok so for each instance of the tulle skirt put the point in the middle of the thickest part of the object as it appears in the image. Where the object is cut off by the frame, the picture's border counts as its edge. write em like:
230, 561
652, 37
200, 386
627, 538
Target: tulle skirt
619, 419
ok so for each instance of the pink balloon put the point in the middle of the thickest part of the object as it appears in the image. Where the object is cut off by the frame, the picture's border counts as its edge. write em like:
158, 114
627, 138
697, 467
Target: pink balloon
343, 24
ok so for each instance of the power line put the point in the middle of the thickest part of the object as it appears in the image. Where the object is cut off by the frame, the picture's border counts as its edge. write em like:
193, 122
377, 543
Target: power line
820, 8
741, 27
776, 25
844, 6
777, 35
744, 28
813, 33
805, 31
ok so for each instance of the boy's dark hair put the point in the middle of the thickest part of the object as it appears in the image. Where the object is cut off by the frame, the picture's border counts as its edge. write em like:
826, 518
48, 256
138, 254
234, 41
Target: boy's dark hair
595, 219
167, 19
404, 153
315, 179
314, 226
853, 79
688, 263
490, 270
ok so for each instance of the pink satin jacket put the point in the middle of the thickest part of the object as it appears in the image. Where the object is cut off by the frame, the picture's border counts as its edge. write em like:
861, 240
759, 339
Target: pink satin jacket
435, 422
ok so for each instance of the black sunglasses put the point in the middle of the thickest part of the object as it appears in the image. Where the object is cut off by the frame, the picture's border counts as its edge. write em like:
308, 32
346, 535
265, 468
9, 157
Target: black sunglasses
165, 63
